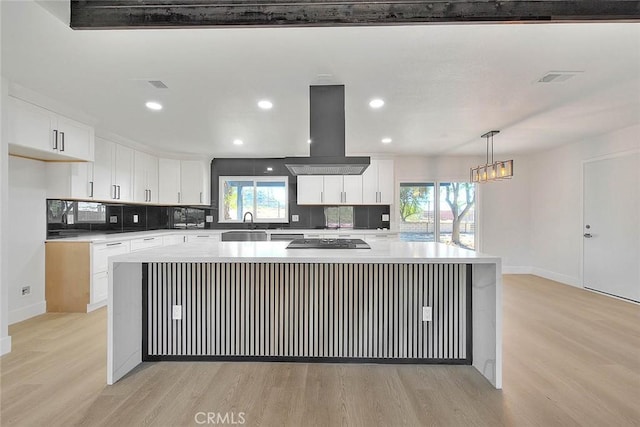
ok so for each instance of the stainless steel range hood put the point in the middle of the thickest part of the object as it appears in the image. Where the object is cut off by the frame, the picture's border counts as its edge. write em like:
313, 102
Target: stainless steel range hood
327, 130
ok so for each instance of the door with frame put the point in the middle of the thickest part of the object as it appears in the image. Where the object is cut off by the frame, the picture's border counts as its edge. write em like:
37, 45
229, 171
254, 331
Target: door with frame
611, 225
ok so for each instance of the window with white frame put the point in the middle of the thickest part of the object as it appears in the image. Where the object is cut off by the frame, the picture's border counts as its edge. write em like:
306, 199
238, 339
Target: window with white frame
266, 198
438, 212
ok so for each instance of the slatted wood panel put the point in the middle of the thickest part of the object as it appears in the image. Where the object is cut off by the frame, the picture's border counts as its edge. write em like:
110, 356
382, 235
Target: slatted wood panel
371, 311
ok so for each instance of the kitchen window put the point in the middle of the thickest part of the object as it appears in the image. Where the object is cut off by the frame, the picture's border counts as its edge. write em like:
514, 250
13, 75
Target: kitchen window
266, 198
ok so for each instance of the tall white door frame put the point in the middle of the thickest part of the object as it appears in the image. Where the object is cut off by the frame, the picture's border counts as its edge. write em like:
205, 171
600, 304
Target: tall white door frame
600, 263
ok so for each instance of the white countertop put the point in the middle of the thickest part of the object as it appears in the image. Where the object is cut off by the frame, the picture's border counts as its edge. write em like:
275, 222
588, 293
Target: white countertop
116, 237
273, 251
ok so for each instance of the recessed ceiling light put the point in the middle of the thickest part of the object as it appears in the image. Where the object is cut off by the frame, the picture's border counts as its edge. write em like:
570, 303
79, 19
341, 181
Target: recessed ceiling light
153, 105
376, 103
265, 104
269, 169
237, 142
386, 140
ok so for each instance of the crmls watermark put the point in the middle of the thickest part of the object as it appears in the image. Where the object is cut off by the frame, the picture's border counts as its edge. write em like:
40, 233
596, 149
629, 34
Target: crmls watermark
219, 418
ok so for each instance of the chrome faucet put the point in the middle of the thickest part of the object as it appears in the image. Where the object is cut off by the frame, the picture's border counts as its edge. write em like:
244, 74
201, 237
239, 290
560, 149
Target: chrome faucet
244, 218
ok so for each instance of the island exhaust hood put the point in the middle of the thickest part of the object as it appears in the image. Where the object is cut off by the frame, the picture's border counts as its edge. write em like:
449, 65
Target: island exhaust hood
326, 106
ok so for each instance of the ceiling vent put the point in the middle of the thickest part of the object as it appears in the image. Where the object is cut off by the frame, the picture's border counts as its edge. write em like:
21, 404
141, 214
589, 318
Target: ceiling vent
158, 84
557, 76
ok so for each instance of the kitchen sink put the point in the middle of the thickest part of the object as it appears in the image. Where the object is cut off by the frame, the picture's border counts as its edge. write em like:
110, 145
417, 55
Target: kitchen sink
244, 236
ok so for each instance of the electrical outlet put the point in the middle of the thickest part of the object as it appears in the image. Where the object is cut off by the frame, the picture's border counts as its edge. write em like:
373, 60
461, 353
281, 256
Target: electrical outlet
427, 314
208, 218
26, 290
385, 217
113, 219
176, 313
135, 219
295, 218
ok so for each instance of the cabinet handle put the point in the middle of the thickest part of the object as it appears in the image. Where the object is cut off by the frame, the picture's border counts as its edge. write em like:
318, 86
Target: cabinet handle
61, 141
91, 188
146, 195
118, 192
201, 197
114, 192
55, 139
150, 238
149, 195
114, 244
179, 197
322, 197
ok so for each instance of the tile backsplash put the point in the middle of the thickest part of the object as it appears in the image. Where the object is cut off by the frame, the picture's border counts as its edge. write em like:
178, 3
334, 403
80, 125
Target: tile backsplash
67, 218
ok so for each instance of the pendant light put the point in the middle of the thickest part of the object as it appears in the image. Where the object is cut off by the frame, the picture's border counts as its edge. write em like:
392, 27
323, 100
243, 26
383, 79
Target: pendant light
492, 170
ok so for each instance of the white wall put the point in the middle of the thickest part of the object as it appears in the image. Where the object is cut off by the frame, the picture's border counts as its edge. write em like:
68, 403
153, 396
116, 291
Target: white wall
505, 218
5, 339
556, 203
26, 235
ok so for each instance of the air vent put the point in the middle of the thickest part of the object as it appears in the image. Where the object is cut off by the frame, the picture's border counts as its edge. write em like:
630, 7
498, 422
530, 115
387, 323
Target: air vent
158, 84
557, 76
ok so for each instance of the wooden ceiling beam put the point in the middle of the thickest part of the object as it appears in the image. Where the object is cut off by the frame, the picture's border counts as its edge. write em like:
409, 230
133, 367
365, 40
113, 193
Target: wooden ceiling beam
131, 14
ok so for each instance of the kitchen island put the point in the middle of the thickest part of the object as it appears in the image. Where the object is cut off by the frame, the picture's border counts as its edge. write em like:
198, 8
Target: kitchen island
398, 302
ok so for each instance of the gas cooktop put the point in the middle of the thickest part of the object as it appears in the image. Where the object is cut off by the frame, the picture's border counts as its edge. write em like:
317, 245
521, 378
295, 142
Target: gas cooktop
328, 244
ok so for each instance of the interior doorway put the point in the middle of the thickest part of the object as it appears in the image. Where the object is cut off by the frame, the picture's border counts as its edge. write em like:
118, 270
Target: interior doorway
611, 225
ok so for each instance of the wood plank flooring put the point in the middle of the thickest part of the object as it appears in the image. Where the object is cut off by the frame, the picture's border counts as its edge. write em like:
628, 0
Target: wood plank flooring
571, 357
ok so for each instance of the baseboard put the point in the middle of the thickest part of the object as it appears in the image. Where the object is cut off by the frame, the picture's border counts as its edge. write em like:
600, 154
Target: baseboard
27, 312
5, 345
507, 269
96, 305
557, 277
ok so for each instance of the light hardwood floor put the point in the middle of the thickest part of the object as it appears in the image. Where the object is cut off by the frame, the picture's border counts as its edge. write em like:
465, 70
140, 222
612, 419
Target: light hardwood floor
571, 357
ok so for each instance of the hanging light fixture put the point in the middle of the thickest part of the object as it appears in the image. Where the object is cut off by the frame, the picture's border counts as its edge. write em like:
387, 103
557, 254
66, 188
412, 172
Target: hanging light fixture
494, 171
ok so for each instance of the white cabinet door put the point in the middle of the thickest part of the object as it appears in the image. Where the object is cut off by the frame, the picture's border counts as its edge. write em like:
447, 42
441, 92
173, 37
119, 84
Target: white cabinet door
102, 252
378, 183
145, 177
123, 173
192, 182
333, 192
75, 139
352, 187
152, 178
146, 243
69, 180
370, 184
309, 189
173, 239
102, 170
169, 181
385, 182
30, 127
205, 237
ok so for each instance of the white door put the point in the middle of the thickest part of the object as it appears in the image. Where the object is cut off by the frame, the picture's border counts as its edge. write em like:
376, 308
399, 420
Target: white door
103, 169
123, 173
75, 139
385, 182
332, 185
612, 226
353, 189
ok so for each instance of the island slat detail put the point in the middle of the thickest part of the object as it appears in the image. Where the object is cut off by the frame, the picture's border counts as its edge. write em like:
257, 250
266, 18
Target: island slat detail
307, 311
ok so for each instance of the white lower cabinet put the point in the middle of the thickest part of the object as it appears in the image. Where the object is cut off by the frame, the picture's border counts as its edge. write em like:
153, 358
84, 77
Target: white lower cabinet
173, 239
100, 254
146, 243
199, 237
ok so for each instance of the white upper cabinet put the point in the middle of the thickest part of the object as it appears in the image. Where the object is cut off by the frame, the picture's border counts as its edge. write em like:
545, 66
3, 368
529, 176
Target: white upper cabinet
169, 181
38, 133
310, 189
112, 172
69, 180
183, 182
329, 189
145, 178
378, 183
194, 183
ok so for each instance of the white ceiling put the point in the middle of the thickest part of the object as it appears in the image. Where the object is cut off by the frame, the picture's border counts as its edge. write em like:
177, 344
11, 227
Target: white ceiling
444, 85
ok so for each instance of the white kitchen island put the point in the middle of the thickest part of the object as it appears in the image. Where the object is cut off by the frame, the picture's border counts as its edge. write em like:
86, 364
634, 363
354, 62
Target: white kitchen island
398, 302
